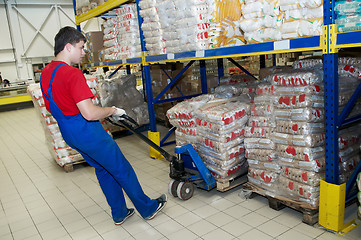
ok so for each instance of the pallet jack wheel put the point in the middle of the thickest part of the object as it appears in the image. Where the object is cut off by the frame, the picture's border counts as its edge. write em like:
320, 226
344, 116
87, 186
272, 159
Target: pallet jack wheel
172, 187
185, 190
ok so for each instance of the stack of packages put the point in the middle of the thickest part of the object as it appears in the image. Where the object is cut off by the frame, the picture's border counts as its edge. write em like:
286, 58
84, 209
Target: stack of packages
264, 168
182, 116
301, 18
60, 151
220, 136
121, 92
174, 26
224, 19
121, 34
261, 21
299, 133
348, 15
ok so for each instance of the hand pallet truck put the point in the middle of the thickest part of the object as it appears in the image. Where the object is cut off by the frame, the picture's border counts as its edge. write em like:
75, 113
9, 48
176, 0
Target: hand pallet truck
182, 183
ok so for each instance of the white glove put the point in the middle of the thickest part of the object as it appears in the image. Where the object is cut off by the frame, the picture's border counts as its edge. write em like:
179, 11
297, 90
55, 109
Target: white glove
118, 113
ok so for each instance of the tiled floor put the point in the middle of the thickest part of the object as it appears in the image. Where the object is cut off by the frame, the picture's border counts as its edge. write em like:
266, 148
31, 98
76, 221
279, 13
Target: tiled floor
40, 201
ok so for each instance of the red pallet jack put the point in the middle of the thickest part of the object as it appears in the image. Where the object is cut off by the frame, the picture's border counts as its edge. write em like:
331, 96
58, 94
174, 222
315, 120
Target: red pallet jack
183, 181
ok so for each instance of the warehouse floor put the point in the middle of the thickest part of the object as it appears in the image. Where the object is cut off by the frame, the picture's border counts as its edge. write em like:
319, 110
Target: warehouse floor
40, 201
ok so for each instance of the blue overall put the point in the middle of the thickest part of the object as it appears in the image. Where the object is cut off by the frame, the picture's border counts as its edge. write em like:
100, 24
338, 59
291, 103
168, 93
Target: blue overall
112, 169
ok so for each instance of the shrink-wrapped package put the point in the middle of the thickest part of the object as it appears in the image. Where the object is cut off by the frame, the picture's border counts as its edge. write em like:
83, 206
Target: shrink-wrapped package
348, 15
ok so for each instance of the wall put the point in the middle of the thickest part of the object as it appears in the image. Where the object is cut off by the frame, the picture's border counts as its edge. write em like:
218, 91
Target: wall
27, 34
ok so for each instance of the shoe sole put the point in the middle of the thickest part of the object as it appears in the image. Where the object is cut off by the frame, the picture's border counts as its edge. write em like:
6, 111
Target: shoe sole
156, 212
126, 217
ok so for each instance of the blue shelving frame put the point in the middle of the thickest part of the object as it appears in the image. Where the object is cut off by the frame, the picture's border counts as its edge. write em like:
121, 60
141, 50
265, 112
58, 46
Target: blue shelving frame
333, 121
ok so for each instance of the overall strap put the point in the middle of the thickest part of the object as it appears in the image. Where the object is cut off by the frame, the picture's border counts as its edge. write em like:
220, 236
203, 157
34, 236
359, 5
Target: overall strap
51, 81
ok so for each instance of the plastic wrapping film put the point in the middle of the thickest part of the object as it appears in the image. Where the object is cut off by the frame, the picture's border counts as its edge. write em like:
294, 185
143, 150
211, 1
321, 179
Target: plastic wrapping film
348, 15
348, 137
259, 132
310, 140
317, 165
228, 175
307, 177
121, 92
300, 153
216, 145
299, 191
348, 152
300, 101
259, 143
265, 176
224, 156
262, 110
262, 121
299, 128
297, 77
220, 165
265, 155
270, 166
245, 80
223, 136
308, 114
58, 149
233, 90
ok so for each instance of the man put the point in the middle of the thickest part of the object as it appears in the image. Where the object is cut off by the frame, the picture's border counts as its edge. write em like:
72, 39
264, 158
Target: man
68, 98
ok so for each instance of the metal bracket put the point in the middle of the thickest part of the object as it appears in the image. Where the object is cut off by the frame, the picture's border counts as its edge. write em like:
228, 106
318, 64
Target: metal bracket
332, 38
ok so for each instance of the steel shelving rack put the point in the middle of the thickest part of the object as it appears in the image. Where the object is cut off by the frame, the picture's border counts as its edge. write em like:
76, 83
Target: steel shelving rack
334, 196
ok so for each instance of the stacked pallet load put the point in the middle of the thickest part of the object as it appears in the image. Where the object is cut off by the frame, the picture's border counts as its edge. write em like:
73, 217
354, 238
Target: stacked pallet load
174, 26
182, 116
261, 155
220, 136
299, 133
64, 155
121, 34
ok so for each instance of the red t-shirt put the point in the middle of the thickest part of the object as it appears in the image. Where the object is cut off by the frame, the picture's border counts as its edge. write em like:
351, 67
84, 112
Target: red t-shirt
69, 87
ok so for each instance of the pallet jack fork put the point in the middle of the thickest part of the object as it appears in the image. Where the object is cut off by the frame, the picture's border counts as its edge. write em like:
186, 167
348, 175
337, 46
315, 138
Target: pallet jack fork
182, 183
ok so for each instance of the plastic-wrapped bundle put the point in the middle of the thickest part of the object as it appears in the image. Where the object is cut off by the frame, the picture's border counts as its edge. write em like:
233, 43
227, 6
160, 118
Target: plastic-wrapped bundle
268, 177
348, 15
217, 145
300, 114
270, 166
271, 187
221, 165
224, 156
299, 191
261, 122
299, 128
268, 155
122, 92
231, 173
308, 63
317, 165
261, 143
307, 177
300, 101
223, 136
348, 137
259, 132
300, 153
297, 77
311, 140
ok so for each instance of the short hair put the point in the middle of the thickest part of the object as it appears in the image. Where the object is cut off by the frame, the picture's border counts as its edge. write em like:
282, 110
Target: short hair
67, 35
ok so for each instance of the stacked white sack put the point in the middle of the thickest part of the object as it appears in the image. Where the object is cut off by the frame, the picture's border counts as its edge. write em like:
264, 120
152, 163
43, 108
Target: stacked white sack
348, 15
121, 34
261, 155
152, 29
220, 136
59, 150
261, 20
182, 116
224, 27
301, 18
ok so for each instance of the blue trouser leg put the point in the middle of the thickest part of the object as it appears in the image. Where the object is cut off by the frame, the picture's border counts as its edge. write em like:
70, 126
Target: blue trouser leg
103, 153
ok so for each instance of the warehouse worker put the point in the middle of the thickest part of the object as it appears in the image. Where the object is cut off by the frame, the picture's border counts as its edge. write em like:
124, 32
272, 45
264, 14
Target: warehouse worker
68, 98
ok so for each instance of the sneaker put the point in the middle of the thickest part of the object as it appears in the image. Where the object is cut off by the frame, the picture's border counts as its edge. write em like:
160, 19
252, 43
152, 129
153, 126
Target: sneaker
162, 201
129, 214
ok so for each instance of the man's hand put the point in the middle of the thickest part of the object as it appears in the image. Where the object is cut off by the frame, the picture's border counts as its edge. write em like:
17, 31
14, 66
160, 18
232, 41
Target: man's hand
118, 113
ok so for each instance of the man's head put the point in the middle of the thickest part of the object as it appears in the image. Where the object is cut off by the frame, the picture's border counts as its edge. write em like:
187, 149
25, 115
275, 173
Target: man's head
71, 40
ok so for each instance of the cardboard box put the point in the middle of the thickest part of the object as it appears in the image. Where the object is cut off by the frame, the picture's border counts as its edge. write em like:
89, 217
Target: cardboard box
94, 41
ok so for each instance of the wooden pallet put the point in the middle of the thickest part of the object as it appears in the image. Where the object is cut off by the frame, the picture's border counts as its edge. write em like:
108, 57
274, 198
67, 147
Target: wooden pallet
310, 213
69, 167
225, 185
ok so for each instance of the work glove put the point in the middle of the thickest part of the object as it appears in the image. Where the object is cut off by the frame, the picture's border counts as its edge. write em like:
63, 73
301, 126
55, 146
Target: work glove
118, 114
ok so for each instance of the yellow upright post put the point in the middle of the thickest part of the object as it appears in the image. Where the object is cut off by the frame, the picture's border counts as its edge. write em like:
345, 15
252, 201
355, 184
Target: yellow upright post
154, 137
332, 208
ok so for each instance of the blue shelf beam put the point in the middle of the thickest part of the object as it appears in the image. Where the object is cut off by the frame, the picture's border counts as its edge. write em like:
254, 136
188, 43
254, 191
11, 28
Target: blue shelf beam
347, 109
351, 182
203, 72
220, 69
162, 142
177, 98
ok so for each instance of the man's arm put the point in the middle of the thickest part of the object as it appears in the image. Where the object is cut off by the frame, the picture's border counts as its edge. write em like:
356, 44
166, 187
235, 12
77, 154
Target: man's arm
91, 112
